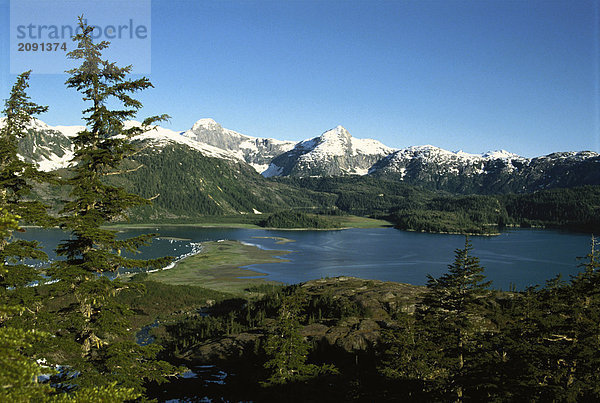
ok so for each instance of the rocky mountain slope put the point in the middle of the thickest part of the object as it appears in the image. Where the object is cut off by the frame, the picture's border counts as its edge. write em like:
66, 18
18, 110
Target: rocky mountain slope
258, 152
188, 178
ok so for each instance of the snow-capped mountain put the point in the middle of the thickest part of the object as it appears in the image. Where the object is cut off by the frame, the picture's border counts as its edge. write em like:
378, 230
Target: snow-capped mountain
440, 161
158, 137
335, 152
258, 152
47, 146
494, 171
50, 147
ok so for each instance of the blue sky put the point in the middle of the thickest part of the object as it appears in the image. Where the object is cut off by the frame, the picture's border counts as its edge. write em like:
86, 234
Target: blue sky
472, 75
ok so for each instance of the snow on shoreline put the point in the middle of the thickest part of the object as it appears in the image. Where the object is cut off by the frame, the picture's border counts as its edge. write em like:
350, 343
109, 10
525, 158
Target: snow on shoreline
196, 248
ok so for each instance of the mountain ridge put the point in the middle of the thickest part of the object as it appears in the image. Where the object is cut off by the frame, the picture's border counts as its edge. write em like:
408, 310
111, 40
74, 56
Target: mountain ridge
337, 153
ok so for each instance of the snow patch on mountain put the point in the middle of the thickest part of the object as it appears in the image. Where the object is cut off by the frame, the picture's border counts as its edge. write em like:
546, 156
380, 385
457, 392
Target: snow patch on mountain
69, 131
338, 141
260, 168
159, 136
432, 154
335, 152
205, 123
256, 151
51, 148
54, 162
272, 170
500, 155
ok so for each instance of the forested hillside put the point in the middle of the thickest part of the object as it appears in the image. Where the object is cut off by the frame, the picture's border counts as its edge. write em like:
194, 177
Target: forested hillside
414, 208
187, 184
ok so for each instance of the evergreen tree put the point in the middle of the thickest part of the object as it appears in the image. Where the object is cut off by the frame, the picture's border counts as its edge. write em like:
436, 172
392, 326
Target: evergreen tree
409, 359
581, 331
452, 312
18, 370
95, 321
287, 349
15, 185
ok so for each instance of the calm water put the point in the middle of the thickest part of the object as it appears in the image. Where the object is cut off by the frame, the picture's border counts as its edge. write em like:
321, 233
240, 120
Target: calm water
521, 257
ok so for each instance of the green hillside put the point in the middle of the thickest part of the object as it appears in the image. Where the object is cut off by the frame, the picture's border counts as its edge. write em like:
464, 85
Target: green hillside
187, 184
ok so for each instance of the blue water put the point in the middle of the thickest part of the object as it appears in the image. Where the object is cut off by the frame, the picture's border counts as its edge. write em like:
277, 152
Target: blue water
521, 257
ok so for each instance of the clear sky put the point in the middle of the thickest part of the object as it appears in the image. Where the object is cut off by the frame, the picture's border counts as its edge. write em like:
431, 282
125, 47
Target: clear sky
473, 75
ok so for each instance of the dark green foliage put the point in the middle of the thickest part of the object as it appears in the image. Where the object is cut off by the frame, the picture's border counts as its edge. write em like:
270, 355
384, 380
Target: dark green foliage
552, 343
439, 221
99, 153
418, 209
296, 219
451, 311
410, 359
91, 325
576, 208
16, 181
287, 350
15, 174
329, 306
18, 369
191, 185
20, 309
363, 195
537, 345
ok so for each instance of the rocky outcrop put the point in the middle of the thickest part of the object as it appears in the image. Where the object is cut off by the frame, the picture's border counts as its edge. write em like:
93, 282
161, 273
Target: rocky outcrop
258, 152
376, 302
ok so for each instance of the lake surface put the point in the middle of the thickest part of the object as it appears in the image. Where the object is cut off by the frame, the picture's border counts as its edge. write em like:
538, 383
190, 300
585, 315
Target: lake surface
521, 257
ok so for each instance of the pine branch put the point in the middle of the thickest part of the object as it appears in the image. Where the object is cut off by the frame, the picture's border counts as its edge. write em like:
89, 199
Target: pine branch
124, 172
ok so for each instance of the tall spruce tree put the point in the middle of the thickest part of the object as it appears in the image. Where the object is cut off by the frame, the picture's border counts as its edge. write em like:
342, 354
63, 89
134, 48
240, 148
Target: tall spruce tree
16, 177
95, 321
451, 311
287, 349
18, 369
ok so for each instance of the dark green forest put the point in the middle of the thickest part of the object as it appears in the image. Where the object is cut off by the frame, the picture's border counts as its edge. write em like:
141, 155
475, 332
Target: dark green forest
296, 219
416, 209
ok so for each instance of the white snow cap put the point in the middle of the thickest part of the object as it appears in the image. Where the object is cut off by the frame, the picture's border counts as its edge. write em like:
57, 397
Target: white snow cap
206, 123
499, 154
337, 140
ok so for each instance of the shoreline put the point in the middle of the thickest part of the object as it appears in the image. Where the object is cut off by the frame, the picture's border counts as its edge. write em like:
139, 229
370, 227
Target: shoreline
344, 222
222, 266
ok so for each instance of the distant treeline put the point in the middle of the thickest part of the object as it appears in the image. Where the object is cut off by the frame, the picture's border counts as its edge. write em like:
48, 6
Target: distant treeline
296, 219
413, 208
576, 209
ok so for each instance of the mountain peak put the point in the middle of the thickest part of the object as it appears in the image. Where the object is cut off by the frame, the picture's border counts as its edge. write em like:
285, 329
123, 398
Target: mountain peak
206, 123
500, 154
338, 131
